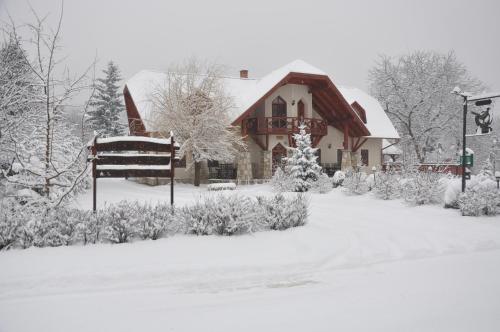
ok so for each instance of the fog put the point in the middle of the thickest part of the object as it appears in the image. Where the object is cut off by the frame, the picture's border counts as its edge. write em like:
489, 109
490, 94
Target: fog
343, 38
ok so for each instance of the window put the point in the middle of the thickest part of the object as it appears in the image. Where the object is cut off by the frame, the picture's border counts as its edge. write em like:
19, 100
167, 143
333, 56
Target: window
339, 157
364, 157
279, 111
181, 163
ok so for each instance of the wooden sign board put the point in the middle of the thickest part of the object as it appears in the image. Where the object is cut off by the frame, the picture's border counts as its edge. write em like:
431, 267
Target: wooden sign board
133, 156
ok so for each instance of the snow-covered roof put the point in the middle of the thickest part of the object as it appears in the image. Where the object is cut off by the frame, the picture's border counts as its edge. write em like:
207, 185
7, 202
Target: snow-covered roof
390, 148
245, 92
377, 121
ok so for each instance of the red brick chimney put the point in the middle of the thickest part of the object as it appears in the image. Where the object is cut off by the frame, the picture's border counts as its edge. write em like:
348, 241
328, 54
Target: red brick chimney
244, 73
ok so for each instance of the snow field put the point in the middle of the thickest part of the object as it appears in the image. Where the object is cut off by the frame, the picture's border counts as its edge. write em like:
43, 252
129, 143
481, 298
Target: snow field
359, 264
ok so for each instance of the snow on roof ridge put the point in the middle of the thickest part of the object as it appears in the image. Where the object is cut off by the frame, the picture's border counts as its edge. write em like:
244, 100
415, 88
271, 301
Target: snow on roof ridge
155, 71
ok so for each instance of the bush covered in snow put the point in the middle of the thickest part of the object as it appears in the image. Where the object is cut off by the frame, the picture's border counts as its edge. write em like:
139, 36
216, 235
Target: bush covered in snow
282, 181
386, 185
481, 197
10, 225
280, 213
421, 188
323, 185
120, 222
230, 215
338, 178
22, 226
155, 221
355, 182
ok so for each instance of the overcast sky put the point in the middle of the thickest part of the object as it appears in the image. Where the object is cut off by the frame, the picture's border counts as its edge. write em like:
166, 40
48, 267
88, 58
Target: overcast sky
343, 38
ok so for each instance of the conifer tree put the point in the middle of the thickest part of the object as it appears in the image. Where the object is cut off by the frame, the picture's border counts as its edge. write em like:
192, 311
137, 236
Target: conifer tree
104, 118
302, 165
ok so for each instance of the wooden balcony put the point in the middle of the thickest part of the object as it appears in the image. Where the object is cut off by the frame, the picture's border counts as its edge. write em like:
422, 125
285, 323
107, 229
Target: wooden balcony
283, 126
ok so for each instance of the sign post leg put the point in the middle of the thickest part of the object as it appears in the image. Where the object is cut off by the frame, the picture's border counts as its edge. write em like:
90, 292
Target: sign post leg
172, 168
95, 194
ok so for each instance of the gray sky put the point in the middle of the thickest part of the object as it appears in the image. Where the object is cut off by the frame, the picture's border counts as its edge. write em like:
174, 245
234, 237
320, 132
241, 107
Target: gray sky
342, 38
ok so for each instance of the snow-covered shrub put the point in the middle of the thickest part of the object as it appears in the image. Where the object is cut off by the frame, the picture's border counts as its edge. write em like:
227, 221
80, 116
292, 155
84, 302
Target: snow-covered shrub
10, 225
154, 222
280, 213
195, 219
91, 226
386, 185
282, 181
230, 215
452, 193
120, 222
62, 226
481, 197
302, 165
425, 187
355, 182
338, 178
323, 185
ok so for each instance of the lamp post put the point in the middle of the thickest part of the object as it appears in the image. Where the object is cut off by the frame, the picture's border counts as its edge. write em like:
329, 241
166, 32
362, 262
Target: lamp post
457, 91
481, 100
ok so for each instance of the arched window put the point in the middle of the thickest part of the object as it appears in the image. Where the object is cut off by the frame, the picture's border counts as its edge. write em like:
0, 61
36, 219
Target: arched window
279, 111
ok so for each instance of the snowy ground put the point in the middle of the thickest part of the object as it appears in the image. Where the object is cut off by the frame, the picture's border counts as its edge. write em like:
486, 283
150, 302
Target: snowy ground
359, 264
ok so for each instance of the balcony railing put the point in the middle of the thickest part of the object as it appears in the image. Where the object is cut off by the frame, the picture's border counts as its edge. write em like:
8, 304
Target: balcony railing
284, 125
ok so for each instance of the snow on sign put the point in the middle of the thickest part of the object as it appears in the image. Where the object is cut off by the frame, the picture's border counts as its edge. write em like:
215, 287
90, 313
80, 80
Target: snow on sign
129, 156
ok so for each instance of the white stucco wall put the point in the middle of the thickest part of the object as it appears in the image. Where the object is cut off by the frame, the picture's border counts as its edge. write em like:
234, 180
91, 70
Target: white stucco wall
289, 93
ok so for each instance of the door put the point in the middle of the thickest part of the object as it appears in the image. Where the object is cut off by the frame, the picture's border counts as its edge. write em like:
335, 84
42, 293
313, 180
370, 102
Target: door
278, 155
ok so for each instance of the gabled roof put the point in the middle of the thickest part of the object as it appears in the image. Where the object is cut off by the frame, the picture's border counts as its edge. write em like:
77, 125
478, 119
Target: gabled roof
330, 102
377, 121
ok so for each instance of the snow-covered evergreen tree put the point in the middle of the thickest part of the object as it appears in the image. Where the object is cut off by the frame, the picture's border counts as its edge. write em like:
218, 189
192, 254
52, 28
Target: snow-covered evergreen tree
302, 165
104, 117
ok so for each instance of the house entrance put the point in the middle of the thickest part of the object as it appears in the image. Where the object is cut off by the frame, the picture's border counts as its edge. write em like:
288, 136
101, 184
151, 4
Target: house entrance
278, 153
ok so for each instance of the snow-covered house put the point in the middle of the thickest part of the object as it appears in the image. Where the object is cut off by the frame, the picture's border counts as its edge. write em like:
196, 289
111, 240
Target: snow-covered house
346, 124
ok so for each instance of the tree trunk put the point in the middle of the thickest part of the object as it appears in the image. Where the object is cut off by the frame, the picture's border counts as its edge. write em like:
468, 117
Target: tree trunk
197, 170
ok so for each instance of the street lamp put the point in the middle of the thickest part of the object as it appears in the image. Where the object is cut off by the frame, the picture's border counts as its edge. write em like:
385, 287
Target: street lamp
464, 95
481, 100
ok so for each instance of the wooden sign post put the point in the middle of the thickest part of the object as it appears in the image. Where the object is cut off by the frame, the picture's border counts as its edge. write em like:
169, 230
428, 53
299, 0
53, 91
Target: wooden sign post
133, 156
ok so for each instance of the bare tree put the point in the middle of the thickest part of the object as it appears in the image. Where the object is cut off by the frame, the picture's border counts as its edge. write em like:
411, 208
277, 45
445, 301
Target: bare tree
415, 91
194, 105
48, 157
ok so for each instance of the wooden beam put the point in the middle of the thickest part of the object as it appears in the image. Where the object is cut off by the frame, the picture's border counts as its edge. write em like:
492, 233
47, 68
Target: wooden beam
346, 137
358, 145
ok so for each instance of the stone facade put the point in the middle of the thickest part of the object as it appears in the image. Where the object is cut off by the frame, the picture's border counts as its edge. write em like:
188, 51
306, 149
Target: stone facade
347, 158
266, 165
244, 166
